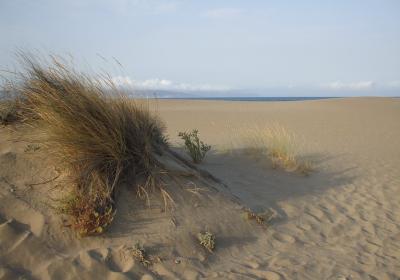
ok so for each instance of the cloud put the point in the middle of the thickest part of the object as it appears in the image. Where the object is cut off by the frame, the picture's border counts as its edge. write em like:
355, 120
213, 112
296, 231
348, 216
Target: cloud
361, 85
223, 13
394, 85
164, 84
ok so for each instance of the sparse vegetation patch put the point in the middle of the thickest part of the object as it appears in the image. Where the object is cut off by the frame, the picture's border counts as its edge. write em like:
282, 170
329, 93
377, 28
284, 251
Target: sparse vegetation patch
207, 240
91, 214
9, 112
139, 254
260, 218
32, 148
279, 145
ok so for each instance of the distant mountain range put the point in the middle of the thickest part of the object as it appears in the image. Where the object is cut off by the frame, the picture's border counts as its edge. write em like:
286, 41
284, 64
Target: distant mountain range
278, 92
273, 92
161, 94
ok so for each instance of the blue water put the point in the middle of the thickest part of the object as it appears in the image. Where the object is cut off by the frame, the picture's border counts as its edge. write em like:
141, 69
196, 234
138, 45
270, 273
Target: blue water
253, 98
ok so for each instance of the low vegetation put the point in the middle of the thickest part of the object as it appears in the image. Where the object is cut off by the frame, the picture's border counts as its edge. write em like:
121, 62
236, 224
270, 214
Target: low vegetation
260, 218
140, 254
207, 240
280, 145
92, 214
250, 215
197, 149
99, 136
9, 112
31, 148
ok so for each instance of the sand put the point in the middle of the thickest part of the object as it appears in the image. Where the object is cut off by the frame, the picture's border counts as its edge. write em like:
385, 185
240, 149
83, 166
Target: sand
340, 222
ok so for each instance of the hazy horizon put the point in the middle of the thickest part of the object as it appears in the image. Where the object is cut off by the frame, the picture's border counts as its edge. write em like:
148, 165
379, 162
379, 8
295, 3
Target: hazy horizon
274, 48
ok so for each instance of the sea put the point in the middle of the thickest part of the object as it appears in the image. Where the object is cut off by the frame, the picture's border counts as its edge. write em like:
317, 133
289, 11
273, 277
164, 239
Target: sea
251, 98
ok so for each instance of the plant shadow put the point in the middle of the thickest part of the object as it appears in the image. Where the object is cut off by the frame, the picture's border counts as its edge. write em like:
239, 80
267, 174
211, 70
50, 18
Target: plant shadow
251, 177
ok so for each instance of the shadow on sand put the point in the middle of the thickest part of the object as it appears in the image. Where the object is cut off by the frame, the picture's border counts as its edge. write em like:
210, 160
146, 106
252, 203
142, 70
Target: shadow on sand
252, 180
259, 186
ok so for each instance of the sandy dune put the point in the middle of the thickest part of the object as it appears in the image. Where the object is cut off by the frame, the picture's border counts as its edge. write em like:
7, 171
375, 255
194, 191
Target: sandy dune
341, 222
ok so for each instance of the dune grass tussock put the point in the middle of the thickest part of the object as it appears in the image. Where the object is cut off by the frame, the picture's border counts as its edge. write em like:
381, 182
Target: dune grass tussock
276, 143
101, 137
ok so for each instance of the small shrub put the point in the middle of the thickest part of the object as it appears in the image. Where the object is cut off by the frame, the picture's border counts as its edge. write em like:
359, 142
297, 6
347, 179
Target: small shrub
207, 239
196, 148
91, 215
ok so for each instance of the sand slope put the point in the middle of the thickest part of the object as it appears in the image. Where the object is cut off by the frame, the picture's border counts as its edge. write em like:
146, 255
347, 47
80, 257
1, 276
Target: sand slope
342, 222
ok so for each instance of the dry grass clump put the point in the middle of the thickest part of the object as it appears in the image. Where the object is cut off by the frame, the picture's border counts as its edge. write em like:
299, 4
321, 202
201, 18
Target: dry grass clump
139, 254
101, 137
31, 148
280, 145
260, 218
250, 215
207, 240
9, 112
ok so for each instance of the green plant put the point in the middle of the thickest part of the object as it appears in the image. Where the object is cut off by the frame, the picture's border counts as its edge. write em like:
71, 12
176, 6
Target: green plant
196, 148
207, 239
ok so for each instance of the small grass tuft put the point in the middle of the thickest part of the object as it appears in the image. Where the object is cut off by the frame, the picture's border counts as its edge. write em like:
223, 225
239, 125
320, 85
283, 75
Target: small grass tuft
31, 148
207, 240
253, 216
281, 147
260, 218
139, 254
197, 149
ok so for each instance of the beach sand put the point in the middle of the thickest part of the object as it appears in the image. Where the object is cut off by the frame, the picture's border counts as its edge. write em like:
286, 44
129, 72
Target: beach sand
340, 222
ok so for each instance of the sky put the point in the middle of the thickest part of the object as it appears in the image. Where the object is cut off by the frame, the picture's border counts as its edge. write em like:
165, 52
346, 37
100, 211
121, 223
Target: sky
270, 47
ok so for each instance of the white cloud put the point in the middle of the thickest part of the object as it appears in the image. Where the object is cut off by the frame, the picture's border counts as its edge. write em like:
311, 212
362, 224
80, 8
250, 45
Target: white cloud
361, 85
394, 84
164, 84
223, 13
